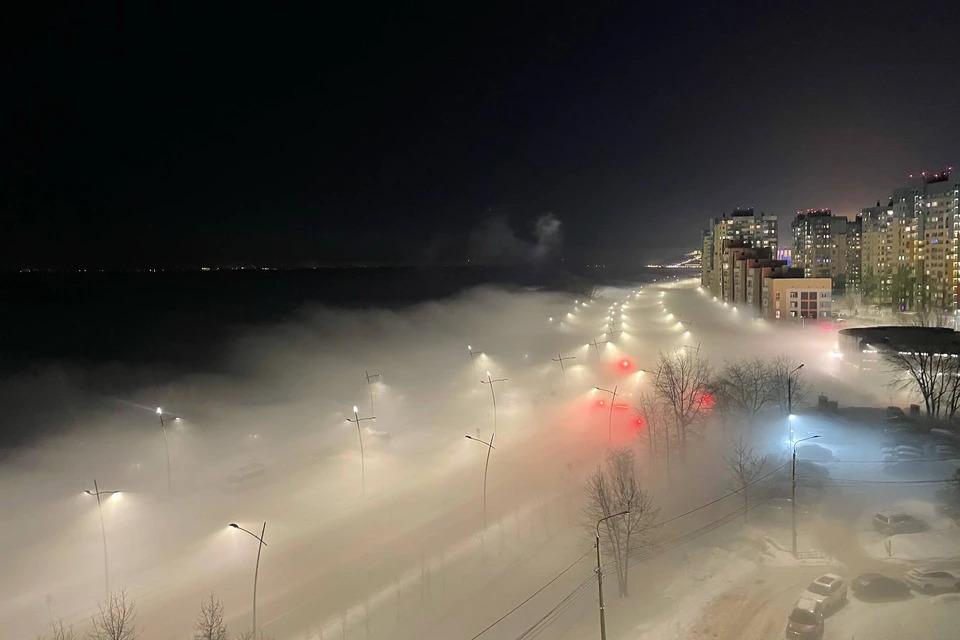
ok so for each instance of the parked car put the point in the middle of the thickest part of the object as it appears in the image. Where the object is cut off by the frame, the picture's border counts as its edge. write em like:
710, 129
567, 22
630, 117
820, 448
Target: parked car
805, 621
891, 522
933, 579
874, 586
829, 590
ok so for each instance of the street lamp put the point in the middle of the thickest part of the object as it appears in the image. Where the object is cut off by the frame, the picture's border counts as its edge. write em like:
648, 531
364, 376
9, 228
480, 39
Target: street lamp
790, 398
363, 474
370, 377
560, 358
596, 344
793, 489
613, 399
790, 388
166, 447
603, 622
97, 492
256, 570
490, 381
486, 465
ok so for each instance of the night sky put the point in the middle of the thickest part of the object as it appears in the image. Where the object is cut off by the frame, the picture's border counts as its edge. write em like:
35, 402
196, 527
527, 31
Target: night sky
136, 135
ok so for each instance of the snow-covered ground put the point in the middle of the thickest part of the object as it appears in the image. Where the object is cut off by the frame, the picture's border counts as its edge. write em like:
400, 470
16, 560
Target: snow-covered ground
405, 558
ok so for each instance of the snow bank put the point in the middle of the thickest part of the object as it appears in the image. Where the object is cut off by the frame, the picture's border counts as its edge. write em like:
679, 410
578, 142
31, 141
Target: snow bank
919, 617
709, 573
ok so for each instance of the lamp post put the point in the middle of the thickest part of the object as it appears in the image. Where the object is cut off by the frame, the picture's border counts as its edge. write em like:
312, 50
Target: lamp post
97, 492
596, 344
370, 377
363, 474
486, 465
560, 358
603, 621
256, 570
793, 490
790, 398
490, 382
166, 447
613, 399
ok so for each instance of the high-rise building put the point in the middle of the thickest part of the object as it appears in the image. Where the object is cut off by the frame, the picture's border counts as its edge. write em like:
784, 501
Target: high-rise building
910, 247
820, 245
742, 228
854, 253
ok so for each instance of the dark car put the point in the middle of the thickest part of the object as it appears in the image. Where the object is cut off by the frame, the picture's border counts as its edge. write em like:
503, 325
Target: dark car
805, 621
874, 586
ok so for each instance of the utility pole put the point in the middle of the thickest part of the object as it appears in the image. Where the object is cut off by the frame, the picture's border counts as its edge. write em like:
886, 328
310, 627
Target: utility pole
603, 620
363, 474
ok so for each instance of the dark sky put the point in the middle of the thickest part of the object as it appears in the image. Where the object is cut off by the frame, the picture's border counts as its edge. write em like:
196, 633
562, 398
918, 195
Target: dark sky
135, 134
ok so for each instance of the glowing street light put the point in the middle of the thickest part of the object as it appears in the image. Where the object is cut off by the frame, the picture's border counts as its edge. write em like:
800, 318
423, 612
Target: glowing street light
370, 377
97, 492
256, 570
363, 474
486, 465
793, 489
613, 399
560, 358
490, 381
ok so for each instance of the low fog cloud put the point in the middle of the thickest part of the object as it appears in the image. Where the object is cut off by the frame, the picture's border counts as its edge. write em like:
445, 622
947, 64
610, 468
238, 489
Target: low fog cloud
496, 242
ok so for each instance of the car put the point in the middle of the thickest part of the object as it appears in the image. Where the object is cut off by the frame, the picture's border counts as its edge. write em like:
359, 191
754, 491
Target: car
829, 591
805, 622
875, 586
933, 579
892, 522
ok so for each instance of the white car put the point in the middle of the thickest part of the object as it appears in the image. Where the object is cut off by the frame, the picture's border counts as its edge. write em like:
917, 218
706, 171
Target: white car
932, 579
829, 591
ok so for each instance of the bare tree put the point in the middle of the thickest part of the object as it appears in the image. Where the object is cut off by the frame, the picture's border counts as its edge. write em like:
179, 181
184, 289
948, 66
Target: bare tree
209, 625
930, 368
745, 467
651, 413
787, 382
682, 383
115, 620
612, 489
929, 372
59, 632
745, 387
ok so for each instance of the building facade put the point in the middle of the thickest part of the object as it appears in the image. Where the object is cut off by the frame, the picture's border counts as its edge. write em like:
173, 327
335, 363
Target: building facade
909, 248
742, 228
787, 297
820, 245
